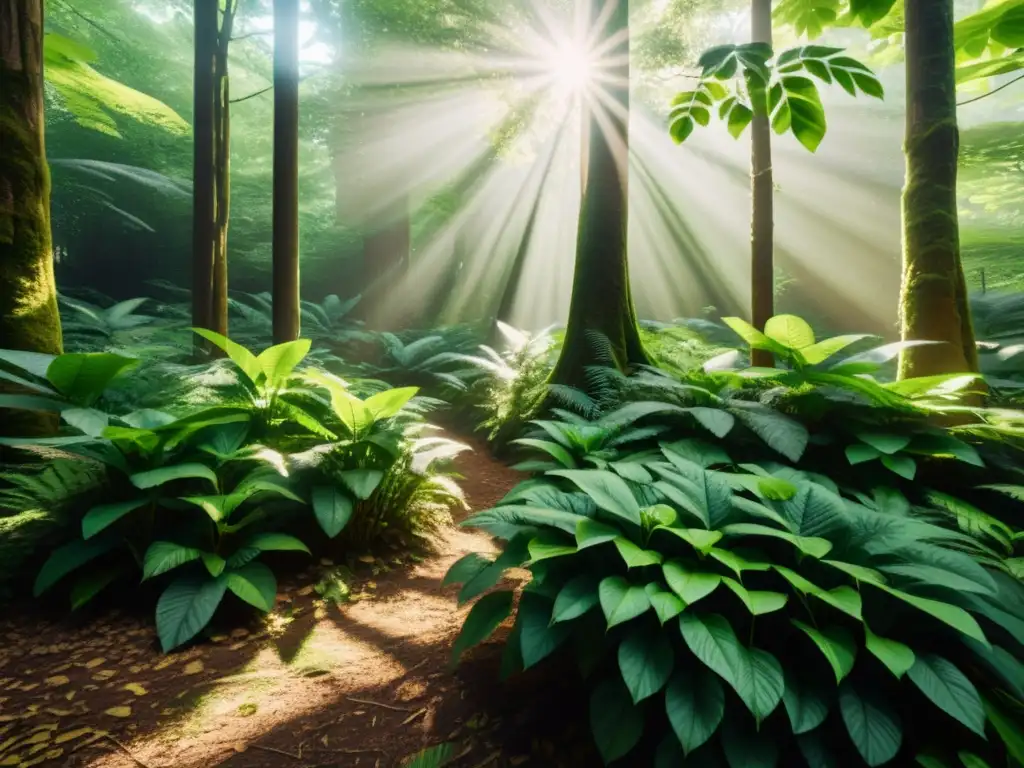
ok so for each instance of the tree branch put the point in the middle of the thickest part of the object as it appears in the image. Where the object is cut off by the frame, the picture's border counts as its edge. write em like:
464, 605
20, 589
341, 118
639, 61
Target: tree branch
253, 95
247, 35
89, 21
994, 90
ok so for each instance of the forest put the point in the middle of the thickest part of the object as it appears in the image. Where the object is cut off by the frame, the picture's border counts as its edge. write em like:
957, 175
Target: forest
497, 383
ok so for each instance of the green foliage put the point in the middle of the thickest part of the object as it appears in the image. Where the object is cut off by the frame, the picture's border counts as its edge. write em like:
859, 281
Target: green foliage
741, 81
91, 97
195, 498
729, 593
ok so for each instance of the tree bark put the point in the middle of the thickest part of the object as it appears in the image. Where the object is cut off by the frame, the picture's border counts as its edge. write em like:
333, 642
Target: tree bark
762, 218
204, 196
601, 300
221, 172
286, 171
933, 297
29, 319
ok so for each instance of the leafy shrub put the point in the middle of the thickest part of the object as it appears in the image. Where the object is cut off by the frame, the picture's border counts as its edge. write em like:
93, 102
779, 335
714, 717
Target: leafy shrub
194, 497
89, 327
435, 362
733, 591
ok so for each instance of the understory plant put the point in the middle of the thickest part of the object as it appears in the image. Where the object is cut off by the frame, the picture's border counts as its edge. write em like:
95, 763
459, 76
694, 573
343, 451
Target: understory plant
771, 569
193, 497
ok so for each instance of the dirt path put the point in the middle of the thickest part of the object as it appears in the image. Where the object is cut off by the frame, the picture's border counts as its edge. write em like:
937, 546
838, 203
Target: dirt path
366, 684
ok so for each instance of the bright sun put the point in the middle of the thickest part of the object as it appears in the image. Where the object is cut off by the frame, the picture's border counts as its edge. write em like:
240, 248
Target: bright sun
571, 66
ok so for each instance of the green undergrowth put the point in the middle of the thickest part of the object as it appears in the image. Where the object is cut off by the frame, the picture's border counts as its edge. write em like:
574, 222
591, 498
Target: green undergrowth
763, 567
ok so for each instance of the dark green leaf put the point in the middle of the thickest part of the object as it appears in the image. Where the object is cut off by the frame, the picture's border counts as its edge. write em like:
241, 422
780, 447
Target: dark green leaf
695, 702
333, 508
646, 659
874, 727
615, 721
255, 584
186, 606
950, 690
483, 619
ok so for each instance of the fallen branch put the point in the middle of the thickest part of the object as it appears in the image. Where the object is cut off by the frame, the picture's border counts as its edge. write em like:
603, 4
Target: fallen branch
137, 760
414, 715
378, 704
276, 751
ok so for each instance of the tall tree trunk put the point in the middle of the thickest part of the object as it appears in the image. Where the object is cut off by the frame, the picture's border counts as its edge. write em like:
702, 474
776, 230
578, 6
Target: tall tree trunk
221, 172
28, 295
286, 171
933, 297
762, 219
204, 198
601, 299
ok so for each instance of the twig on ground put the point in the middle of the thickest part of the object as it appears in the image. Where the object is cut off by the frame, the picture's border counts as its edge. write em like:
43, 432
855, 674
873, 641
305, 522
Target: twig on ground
137, 760
276, 751
414, 715
377, 704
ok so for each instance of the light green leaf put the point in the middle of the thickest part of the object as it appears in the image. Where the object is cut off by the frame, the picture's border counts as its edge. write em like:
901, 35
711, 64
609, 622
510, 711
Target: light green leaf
899, 658
823, 350
790, 331
556, 451
810, 545
549, 544
836, 644
590, 533
621, 601
888, 444
239, 355
701, 540
214, 563
388, 403
666, 605
278, 362
757, 602
689, 584
952, 615
83, 376
255, 584
633, 555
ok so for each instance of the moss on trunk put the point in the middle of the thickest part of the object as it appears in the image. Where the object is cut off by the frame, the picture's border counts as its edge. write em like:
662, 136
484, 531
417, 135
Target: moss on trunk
28, 295
933, 296
601, 300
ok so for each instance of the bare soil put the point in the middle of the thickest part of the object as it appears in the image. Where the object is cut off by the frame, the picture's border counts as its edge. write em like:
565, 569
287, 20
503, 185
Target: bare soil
367, 683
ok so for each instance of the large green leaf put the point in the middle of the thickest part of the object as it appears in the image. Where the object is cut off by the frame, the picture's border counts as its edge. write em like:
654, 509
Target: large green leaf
556, 451
549, 544
666, 604
163, 556
758, 602
899, 658
278, 362
806, 704
695, 703
874, 727
362, 482
779, 432
83, 376
590, 533
634, 556
240, 356
689, 584
186, 606
810, 545
68, 558
577, 597
386, 404
950, 690
94, 581
616, 723
789, 331
608, 490
701, 540
754, 674
621, 601
952, 615
646, 659
836, 644
157, 477
332, 508
100, 517
813, 512
485, 616
255, 584
465, 568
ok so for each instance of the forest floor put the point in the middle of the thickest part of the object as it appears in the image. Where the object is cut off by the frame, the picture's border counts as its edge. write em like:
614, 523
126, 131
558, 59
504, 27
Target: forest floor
364, 683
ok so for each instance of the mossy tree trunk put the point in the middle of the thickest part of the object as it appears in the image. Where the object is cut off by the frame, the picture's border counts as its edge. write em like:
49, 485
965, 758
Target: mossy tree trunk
286, 171
204, 195
762, 219
28, 295
933, 297
601, 301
